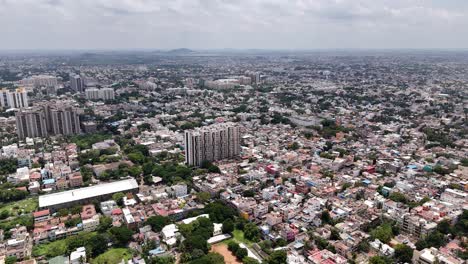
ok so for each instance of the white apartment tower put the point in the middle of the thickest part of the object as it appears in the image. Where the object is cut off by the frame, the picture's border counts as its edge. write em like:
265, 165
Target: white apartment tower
92, 93
215, 142
96, 94
107, 94
14, 99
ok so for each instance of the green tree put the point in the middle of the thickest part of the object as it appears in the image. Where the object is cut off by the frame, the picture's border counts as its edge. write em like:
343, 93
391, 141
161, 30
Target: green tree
203, 197
363, 246
118, 198
195, 242
251, 232
136, 157
383, 233
219, 212
380, 260
11, 260
434, 239
228, 226
158, 222
403, 253
241, 253
233, 246
121, 235
105, 222
97, 244
444, 227
249, 260
398, 197
211, 258
277, 257
325, 217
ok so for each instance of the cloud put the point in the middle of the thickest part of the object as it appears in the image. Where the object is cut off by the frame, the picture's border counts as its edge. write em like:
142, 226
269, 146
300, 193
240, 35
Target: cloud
293, 24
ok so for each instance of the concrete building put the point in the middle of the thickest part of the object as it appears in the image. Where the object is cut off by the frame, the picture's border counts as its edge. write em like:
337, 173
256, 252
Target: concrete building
107, 94
31, 122
13, 98
92, 93
77, 83
38, 81
86, 195
222, 84
49, 120
62, 120
100, 94
215, 142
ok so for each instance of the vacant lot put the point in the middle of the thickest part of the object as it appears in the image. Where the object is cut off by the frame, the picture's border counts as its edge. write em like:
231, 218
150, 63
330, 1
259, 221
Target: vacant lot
114, 255
222, 249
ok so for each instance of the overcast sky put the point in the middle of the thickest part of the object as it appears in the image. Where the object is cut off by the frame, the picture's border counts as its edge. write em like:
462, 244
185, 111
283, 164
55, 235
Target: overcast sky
213, 24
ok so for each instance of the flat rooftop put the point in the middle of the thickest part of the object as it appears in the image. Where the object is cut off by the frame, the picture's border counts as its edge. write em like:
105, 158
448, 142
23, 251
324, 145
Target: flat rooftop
87, 192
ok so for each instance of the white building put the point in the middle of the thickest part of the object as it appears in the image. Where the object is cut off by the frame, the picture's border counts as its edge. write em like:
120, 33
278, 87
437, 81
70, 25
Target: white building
91, 224
170, 234
14, 98
38, 81
21, 175
454, 197
100, 94
78, 256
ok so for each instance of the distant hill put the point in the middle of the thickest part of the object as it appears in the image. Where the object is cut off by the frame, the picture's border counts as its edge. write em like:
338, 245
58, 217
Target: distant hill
181, 51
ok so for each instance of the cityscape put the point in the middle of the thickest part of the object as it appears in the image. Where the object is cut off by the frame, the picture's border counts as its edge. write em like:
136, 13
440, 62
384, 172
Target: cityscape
274, 155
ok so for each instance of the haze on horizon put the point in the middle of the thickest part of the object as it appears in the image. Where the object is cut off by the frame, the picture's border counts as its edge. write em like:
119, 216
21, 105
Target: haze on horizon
238, 24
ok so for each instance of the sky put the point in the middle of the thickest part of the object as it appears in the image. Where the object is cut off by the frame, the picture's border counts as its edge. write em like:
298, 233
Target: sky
237, 24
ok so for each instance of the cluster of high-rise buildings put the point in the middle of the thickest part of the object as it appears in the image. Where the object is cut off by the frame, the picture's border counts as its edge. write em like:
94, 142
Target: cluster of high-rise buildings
46, 121
38, 81
13, 98
100, 94
211, 143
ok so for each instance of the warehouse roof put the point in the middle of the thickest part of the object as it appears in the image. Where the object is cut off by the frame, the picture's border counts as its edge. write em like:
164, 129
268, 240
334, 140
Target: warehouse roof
87, 192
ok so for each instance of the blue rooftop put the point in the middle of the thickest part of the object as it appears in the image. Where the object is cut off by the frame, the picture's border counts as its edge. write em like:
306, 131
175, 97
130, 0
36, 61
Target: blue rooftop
48, 181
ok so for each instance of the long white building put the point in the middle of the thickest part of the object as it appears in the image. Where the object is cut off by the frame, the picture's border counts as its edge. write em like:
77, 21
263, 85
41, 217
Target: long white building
211, 143
97, 94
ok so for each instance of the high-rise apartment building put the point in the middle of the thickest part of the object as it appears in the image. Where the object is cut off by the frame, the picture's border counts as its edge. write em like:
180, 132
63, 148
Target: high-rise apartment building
38, 81
77, 83
47, 120
254, 76
92, 93
14, 99
107, 94
103, 93
31, 122
215, 142
63, 121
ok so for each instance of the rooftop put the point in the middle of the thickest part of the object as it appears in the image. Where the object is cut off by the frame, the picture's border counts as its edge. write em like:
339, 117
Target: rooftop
87, 192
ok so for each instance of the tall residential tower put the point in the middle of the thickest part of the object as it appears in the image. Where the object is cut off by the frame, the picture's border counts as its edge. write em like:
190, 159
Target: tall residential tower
211, 143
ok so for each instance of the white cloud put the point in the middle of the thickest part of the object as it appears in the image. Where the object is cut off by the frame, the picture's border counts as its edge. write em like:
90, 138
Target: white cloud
233, 24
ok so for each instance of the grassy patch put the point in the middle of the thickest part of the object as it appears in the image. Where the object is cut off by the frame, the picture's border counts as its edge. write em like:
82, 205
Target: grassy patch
51, 249
114, 255
59, 247
18, 207
239, 237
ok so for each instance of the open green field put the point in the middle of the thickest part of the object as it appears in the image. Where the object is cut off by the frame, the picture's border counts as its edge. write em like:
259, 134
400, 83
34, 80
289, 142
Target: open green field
114, 255
238, 236
25, 206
